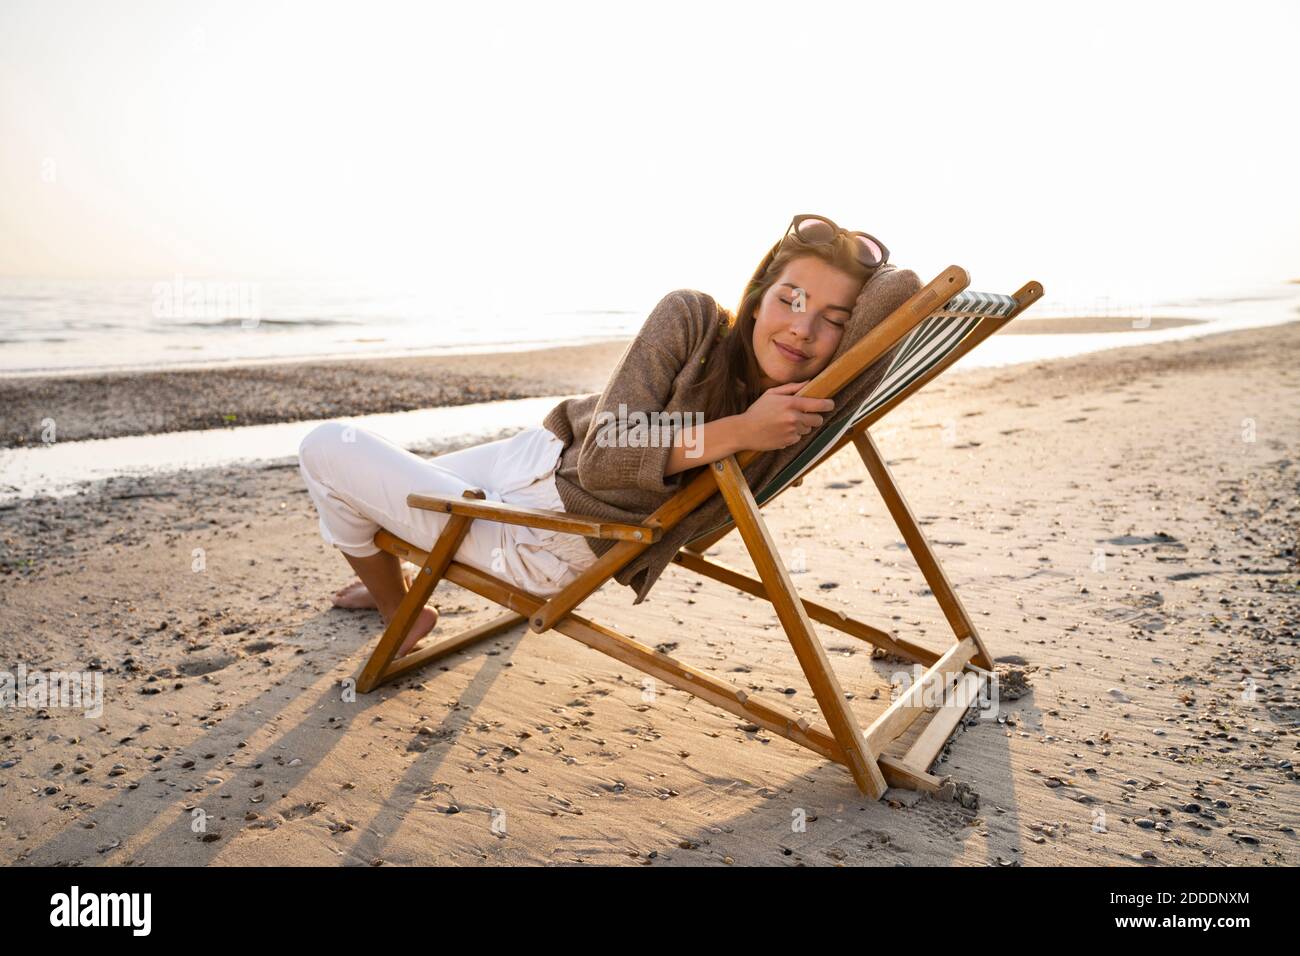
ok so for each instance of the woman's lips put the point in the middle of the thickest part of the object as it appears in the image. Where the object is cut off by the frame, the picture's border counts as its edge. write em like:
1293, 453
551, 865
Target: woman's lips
790, 355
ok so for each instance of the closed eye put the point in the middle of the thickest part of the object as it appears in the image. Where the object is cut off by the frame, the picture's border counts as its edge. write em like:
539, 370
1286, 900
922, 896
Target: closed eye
838, 325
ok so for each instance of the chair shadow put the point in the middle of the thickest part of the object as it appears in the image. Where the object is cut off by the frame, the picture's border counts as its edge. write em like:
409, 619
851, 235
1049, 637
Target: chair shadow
131, 812
392, 812
819, 818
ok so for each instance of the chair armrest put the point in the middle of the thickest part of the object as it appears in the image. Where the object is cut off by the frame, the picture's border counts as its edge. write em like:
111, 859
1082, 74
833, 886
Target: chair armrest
537, 518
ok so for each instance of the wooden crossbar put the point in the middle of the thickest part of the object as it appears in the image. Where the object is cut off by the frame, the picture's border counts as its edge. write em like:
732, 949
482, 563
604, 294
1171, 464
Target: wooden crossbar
911, 705
927, 746
563, 521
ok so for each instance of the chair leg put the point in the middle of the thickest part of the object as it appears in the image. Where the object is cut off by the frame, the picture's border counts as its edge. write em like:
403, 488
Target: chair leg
431, 572
798, 627
960, 622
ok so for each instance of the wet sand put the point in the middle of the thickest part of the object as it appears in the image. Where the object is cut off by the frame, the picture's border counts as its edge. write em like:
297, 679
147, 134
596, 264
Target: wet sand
144, 403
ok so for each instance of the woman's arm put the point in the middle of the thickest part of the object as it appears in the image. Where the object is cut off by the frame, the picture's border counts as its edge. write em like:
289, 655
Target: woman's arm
616, 452
708, 443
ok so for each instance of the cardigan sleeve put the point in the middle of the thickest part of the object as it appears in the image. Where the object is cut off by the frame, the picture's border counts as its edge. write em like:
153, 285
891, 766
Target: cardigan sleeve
625, 446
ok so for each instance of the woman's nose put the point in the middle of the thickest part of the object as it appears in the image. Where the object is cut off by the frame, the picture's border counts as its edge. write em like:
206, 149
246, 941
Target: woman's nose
801, 324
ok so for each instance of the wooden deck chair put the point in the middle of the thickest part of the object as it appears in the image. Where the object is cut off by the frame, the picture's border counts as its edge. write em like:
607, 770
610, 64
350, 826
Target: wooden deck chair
934, 328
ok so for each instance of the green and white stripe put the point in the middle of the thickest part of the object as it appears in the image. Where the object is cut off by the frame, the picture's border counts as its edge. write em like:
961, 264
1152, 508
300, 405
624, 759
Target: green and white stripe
979, 303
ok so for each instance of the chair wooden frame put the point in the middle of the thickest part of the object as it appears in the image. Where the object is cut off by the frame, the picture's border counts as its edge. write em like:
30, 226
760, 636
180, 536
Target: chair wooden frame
954, 678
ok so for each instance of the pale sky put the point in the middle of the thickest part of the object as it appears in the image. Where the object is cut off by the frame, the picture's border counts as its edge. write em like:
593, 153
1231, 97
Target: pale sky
622, 151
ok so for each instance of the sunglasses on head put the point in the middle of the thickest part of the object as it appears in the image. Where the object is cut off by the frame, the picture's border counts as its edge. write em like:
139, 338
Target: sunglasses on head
810, 230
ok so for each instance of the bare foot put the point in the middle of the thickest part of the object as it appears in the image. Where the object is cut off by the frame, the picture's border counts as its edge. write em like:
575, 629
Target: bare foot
423, 625
357, 596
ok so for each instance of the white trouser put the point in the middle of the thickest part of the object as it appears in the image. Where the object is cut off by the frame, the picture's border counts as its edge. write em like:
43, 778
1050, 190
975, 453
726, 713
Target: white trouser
359, 481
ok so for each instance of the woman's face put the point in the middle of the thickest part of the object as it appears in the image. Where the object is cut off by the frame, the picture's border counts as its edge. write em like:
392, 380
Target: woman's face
800, 320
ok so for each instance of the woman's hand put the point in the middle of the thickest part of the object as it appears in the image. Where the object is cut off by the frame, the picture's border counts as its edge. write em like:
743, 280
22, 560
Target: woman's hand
779, 418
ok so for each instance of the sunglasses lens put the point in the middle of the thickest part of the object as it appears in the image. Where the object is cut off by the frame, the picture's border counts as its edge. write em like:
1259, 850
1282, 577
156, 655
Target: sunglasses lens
815, 230
870, 252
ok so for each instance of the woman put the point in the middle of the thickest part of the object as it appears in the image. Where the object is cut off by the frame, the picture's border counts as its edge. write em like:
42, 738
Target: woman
731, 377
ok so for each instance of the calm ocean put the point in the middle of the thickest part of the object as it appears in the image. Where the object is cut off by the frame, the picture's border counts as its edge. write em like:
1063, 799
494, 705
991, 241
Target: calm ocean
84, 325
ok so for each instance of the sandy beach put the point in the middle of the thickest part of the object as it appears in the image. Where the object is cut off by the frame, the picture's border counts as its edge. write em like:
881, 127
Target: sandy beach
1123, 526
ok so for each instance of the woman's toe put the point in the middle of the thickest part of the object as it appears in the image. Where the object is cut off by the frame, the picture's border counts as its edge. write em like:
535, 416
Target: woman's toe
355, 595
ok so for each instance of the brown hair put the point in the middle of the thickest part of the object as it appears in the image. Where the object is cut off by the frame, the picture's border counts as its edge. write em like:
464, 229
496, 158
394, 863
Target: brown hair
732, 383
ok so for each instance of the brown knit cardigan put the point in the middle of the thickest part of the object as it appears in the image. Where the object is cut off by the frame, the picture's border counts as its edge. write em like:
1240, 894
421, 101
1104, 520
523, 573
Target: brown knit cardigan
657, 372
